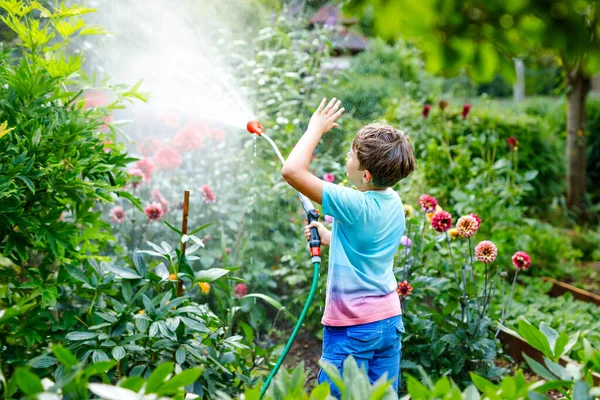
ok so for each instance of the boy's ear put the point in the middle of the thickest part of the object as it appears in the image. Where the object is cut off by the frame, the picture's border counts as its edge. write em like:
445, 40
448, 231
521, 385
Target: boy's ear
367, 176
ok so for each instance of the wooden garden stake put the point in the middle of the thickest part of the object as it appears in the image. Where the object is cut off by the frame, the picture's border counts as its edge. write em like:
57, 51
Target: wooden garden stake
184, 226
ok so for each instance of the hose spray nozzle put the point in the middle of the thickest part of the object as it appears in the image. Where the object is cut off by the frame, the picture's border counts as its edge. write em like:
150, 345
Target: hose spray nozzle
255, 127
315, 240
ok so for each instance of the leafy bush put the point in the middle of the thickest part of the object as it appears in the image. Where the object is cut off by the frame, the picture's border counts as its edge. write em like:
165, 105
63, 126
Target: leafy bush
59, 160
381, 73
75, 380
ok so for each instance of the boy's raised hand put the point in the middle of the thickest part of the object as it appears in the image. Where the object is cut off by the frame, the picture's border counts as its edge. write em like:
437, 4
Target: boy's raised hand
324, 118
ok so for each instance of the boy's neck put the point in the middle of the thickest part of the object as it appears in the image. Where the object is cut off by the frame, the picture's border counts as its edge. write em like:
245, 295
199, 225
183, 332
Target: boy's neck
368, 188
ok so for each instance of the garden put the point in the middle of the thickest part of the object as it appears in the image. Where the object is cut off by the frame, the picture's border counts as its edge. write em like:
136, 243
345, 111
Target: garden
150, 248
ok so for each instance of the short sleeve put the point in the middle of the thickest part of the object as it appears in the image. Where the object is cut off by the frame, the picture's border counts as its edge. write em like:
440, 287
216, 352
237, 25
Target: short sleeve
342, 203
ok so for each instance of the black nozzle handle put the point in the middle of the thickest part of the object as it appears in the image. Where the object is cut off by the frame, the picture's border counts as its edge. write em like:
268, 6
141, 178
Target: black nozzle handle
315, 240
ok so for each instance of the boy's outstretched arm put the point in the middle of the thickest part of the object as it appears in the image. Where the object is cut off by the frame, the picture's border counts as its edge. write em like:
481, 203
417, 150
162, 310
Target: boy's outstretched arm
295, 170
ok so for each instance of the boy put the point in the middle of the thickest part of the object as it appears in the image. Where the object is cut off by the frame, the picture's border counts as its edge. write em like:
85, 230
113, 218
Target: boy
362, 314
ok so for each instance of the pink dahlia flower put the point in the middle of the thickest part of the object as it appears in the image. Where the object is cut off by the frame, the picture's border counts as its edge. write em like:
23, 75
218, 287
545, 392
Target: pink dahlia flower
442, 221
329, 177
207, 194
153, 211
486, 252
117, 214
167, 158
428, 203
240, 290
467, 226
147, 167
521, 260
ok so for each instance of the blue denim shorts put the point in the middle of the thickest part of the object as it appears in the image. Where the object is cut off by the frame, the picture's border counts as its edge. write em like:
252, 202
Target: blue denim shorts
377, 346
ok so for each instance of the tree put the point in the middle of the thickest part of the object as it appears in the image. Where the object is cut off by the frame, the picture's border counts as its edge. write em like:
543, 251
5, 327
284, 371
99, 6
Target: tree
483, 37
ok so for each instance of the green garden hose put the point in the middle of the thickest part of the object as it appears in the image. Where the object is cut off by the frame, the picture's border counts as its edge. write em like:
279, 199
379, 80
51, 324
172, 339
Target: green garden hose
255, 128
290, 342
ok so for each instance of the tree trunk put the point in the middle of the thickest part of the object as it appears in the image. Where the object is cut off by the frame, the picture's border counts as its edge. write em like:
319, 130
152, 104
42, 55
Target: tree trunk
576, 165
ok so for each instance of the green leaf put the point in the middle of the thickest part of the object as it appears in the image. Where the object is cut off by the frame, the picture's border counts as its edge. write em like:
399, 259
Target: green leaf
581, 390
551, 335
28, 183
158, 376
530, 175
535, 337
333, 373
539, 369
572, 342
109, 392
272, 302
99, 367
42, 362
139, 263
200, 228
483, 384
118, 353
181, 380
122, 272
134, 383
63, 355
210, 274
471, 393
173, 228
180, 355
195, 325
81, 335
416, 389
28, 382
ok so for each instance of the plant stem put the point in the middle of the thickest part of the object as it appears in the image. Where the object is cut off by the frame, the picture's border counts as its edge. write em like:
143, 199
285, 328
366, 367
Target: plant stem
464, 289
512, 292
142, 233
132, 224
491, 291
485, 288
505, 311
473, 273
405, 261
421, 239
452, 259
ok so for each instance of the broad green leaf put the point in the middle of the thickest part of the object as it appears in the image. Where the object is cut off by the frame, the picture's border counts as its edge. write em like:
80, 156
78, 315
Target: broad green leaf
81, 335
551, 335
539, 369
122, 272
158, 376
535, 337
416, 389
471, 393
42, 362
180, 355
333, 373
118, 353
63, 355
181, 380
581, 391
109, 392
210, 274
28, 382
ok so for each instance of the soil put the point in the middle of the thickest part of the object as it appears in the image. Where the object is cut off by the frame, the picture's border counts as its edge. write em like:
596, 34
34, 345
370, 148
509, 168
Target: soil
306, 348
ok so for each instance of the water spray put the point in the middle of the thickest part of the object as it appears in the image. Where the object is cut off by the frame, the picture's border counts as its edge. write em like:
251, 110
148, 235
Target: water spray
312, 214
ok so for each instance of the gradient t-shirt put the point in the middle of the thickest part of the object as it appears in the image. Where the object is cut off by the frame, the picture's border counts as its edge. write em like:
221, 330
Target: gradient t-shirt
367, 227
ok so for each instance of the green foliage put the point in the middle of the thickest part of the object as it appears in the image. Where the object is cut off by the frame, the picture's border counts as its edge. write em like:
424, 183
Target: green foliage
380, 74
572, 381
564, 313
54, 170
78, 380
353, 384
489, 34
